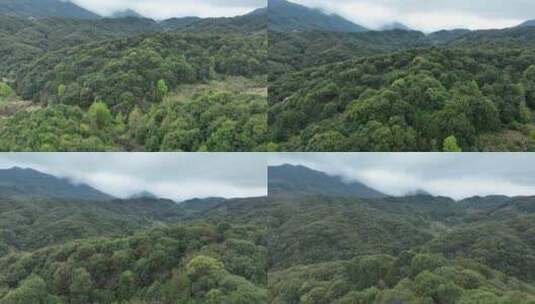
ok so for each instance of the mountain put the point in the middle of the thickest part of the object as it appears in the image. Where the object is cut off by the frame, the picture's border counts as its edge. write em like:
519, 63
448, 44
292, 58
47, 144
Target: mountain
45, 8
284, 16
126, 13
395, 26
289, 180
21, 182
527, 23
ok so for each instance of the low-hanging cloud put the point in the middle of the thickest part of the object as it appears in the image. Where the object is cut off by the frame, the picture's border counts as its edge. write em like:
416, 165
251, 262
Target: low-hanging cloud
177, 176
454, 175
431, 15
162, 9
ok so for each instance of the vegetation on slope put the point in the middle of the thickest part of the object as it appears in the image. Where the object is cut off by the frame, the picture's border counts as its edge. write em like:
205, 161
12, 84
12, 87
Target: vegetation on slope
226, 115
409, 101
198, 263
405, 250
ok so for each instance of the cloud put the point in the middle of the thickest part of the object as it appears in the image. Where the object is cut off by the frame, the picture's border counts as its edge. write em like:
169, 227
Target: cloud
162, 9
431, 15
453, 175
177, 176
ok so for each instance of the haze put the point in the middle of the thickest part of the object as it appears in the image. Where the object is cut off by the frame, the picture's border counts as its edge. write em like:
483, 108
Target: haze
163, 9
177, 176
431, 15
453, 175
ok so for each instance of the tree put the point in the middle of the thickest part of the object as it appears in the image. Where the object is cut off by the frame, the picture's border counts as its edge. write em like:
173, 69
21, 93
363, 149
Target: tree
201, 266
5, 90
61, 90
450, 145
99, 115
32, 290
162, 89
81, 286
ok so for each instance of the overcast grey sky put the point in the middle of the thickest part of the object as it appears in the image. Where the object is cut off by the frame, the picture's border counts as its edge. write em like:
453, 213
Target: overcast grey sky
162, 9
455, 175
431, 15
177, 176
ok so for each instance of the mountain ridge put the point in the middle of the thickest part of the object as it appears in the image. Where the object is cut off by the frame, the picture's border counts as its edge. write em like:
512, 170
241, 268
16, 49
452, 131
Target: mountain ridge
285, 16
291, 180
27, 182
45, 8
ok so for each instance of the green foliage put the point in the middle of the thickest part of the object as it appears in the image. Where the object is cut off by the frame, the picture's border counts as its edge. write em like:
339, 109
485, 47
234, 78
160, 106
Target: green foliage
166, 264
31, 290
61, 90
5, 90
450, 145
133, 64
474, 258
212, 119
140, 70
342, 96
99, 115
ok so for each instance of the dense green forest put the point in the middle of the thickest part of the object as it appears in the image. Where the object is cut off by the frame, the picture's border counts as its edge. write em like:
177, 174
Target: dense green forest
402, 90
317, 248
332, 248
139, 250
123, 84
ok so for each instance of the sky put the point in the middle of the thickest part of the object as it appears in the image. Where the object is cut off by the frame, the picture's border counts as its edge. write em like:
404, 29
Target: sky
431, 15
457, 175
163, 9
177, 176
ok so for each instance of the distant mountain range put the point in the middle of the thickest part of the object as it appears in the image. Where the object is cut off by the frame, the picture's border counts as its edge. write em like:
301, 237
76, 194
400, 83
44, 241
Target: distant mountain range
19, 182
290, 180
68, 9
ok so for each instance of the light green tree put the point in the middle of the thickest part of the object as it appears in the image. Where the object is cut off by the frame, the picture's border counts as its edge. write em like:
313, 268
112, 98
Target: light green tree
450, 145
99, 115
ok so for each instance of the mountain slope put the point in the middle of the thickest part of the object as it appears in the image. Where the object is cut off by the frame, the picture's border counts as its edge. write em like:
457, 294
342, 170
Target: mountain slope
31, 183
286, 16
527, 23
288, 180
45, 8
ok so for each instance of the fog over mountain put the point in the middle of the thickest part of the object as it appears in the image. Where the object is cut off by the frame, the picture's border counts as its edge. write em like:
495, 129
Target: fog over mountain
429, 16
174, 176
162, 9
453, 175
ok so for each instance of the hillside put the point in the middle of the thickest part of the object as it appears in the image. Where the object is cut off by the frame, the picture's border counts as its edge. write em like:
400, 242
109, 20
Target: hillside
346, 104
280, 249
285, 16
192, 263
296, 181
130, 72
45, 8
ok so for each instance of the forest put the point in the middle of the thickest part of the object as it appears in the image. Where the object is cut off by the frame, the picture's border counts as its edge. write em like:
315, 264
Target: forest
402, 90
338, 247
134, 84
295, 246
127, 251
